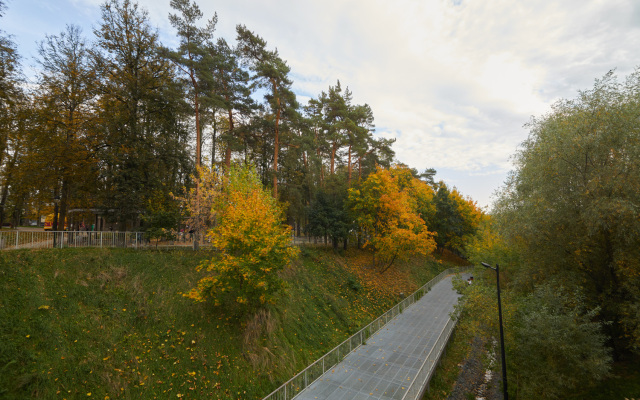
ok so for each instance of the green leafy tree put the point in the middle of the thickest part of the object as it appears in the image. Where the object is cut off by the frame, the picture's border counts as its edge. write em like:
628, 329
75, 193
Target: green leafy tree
327, 216
162, 217
232, 96
18, 170
570, 208
144, 143
9, 69
456, 218
555, 347
67, 142
160, 224
252, 242
12, 106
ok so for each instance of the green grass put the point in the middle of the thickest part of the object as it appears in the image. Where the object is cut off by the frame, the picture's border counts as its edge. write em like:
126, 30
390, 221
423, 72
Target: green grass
101, 323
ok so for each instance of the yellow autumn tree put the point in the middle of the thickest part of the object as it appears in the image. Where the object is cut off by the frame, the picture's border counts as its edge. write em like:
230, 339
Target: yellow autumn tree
386, 211
252, 244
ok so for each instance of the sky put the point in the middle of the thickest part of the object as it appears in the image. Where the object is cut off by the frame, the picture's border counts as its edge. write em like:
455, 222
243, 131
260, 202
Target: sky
453, 81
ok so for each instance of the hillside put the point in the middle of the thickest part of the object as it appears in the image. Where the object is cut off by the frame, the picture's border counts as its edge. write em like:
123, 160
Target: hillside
81, 323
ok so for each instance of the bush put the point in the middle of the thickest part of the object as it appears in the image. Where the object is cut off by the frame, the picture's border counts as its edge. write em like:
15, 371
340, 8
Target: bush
252, 242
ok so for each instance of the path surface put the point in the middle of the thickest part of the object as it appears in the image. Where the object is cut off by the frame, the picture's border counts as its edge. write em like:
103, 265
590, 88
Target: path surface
385, 366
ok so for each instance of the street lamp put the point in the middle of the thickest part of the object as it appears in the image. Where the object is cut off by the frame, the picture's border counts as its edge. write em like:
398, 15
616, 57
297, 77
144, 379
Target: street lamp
504, 363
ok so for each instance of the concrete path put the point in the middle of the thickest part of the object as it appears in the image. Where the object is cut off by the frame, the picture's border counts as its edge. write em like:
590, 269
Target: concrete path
385, 366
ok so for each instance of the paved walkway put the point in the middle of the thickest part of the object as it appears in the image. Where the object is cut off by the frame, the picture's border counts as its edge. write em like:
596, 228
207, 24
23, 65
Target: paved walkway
385, 366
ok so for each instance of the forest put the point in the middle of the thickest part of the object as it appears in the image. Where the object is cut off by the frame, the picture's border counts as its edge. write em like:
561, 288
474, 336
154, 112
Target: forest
116, 123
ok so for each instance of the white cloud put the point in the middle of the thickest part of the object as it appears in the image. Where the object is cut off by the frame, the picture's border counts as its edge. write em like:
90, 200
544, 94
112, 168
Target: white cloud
453, 80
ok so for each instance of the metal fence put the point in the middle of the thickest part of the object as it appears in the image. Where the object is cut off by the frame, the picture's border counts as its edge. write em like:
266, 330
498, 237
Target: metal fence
314, 371
46, 240
428, 367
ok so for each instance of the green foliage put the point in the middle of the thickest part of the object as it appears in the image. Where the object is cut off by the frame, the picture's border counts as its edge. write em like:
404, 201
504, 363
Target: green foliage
161, 224
110, 121
456, 218
570, 208
554, 343
554, 346
624, 383
194, 61
271, 73
328, 216
143, 146
488, 245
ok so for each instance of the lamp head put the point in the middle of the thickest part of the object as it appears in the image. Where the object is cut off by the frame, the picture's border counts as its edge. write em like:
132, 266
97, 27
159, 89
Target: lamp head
487, 265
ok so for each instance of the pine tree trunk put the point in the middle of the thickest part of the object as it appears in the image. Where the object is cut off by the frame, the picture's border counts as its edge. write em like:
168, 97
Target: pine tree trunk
198, 133
214, 136
227, 158
333, 156
277, 141
63, 202
349, 168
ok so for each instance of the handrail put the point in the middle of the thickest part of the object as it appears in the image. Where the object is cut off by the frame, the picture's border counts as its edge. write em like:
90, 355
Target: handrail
315, 370
419, 384
59, 239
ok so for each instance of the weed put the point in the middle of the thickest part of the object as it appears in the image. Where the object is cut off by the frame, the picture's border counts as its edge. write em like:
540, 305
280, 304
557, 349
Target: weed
354, 284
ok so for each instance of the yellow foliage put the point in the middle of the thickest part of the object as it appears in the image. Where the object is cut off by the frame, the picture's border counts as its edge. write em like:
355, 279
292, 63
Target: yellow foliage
252, 242
386, 210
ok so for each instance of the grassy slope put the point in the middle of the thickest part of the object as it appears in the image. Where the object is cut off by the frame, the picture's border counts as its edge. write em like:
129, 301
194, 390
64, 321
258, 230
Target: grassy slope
113, 324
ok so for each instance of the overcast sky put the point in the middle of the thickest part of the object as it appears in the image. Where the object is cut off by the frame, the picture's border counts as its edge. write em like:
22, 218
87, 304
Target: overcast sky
454, 81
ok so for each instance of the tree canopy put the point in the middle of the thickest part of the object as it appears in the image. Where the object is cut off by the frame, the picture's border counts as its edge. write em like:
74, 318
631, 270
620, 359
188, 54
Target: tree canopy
252, 242
387, 213
571, 206
117, 124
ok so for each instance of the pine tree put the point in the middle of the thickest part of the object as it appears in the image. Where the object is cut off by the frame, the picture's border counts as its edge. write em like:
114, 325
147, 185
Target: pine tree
191, 56
272, 73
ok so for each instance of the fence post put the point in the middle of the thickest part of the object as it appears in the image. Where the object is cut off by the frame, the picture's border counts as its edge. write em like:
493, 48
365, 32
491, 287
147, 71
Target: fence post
17, 234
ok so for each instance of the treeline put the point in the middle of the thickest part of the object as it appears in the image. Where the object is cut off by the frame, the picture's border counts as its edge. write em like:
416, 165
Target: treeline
565, 232
110, 122
117, 122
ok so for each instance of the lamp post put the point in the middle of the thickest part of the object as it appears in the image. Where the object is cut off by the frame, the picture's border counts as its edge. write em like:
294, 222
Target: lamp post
504, 363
